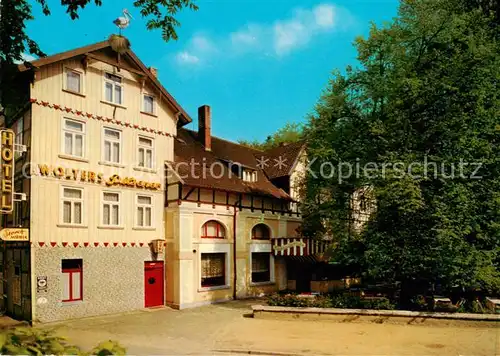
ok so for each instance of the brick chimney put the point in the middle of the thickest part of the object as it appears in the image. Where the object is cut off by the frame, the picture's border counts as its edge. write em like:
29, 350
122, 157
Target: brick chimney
204, 125
154, 71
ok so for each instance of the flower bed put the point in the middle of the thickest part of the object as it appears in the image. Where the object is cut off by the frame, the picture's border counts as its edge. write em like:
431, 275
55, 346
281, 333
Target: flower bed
331, 301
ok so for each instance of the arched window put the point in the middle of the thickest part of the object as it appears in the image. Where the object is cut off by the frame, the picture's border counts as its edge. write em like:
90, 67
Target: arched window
213, 230
261, 232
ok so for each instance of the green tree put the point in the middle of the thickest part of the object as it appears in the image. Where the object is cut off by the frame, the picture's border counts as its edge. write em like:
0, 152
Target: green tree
427, 89
290, 133
15, 41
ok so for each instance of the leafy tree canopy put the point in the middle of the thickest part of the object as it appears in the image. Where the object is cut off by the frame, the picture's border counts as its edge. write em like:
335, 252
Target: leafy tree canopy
427, 90
15, 41
290, 133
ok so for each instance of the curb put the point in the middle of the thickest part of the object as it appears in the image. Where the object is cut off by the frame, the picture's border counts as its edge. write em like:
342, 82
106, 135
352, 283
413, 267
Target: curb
260, 353
378, 313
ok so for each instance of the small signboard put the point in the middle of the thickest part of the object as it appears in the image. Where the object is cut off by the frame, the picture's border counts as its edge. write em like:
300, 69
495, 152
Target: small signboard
9, 234
41, 283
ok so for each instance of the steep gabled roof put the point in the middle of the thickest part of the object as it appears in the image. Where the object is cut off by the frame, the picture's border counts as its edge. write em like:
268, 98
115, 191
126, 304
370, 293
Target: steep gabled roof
188, 149
183, 115
287, 154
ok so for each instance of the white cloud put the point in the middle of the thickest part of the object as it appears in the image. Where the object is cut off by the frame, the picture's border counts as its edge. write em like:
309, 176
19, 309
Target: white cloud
250, 35
201, 43
279, 37
302, 27
324, 15
185, 57
26, 58
199, 47
288, 35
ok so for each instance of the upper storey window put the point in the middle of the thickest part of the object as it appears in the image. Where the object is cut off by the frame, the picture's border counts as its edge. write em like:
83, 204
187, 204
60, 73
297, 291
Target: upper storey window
73, 81
249, 175
261, 232
112, 145
74, 138
213, 230
149, 105
113, 89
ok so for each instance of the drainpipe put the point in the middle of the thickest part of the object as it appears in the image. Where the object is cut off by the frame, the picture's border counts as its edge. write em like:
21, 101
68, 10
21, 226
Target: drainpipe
234, 250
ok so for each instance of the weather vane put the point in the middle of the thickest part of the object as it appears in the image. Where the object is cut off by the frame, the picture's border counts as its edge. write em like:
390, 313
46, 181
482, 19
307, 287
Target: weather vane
123, 21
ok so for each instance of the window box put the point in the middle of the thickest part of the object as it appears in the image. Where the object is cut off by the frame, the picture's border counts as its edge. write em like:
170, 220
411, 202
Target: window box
73, 158
148, 170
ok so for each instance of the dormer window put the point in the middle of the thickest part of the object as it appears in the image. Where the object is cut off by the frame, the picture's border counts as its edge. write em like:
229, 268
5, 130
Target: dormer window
249, 175
113, 89
149, 105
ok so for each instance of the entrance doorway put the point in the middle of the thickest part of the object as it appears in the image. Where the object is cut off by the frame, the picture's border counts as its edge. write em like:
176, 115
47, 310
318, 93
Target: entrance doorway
153, 284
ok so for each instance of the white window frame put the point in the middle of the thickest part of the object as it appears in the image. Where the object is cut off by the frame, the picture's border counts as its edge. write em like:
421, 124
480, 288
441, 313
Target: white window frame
106, 80
110, 225
152, 148
215, 248
63, 199
262, 248
120, 141
82, 80
143, 106
249, 175
63, 137
138, 205
71, 284
18, 128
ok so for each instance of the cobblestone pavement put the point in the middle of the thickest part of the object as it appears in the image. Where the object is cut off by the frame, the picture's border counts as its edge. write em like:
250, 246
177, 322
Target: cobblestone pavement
227, 329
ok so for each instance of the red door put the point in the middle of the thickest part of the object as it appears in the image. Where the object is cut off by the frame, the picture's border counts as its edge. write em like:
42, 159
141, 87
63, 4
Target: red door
153, 284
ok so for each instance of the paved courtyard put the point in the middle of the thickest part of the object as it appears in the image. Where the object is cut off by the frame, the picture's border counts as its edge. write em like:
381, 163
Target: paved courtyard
227, 329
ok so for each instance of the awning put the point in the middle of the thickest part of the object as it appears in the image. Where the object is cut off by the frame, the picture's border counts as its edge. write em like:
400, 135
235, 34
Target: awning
284, 246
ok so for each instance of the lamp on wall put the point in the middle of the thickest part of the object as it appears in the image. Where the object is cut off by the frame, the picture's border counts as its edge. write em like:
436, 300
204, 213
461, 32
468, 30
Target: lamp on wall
157, 246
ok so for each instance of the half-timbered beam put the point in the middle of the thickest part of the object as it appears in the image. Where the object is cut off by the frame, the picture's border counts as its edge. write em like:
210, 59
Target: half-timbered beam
188, 193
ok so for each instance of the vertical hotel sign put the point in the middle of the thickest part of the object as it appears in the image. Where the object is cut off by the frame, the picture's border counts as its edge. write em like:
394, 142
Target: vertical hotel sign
7, 176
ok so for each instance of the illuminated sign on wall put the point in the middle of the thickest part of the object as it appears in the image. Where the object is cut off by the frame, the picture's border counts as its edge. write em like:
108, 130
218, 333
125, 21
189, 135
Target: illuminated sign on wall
7, 181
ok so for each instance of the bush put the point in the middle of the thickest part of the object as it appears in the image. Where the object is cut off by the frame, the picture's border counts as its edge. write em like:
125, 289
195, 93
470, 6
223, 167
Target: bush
108, 348
28, 341
378, 304
332, 301
288, 300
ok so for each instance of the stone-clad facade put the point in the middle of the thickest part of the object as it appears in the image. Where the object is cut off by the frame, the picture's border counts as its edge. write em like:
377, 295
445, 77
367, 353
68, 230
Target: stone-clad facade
113, 280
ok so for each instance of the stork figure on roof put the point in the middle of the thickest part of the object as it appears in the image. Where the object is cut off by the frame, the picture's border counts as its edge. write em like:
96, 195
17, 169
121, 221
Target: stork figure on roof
123, 21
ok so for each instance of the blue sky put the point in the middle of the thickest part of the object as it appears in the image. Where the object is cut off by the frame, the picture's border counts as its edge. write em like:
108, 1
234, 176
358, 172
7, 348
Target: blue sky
258, 64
